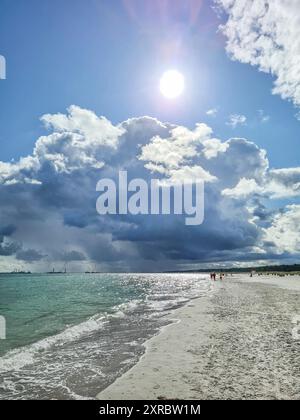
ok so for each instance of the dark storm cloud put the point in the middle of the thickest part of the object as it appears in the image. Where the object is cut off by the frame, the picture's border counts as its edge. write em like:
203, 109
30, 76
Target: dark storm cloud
29, 255
7, 230
47, 200
8, 248
73, 256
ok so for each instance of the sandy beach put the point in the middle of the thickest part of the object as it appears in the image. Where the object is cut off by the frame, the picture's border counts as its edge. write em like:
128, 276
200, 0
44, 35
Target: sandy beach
236, 343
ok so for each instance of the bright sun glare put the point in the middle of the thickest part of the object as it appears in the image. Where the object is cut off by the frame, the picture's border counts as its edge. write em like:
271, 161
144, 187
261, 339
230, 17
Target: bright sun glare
172, 84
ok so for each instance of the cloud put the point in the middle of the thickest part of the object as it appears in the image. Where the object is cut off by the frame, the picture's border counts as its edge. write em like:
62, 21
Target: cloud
70, 256
236, 119
212, 112
275, 184
48, 199
284, 183
244, 188
266, 34
169, 156
212, 147
7, 247
263, 117
29, 255
7, 230
95, 130
284, 230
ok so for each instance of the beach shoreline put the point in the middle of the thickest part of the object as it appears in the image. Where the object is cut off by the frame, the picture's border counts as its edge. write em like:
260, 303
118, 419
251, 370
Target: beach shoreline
234, 344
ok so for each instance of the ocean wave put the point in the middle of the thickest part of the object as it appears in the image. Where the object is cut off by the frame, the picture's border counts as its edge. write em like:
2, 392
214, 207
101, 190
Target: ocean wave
128, 306
157, 301
18, 358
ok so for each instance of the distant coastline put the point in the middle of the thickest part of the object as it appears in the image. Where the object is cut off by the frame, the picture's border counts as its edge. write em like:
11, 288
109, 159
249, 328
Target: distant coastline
289, 269
292, 269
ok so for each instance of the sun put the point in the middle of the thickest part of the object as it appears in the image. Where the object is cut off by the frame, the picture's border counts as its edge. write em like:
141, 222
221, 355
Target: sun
172, 84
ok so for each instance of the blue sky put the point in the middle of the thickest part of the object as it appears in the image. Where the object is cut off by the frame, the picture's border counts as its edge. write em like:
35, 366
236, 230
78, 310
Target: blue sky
97, 55
107, 56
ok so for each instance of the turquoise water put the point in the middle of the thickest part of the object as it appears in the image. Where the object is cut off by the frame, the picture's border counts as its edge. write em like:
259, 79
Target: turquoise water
69, 336
39, 306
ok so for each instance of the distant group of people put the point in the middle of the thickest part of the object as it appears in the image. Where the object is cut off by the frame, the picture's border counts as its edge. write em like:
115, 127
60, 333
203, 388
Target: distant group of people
213, 276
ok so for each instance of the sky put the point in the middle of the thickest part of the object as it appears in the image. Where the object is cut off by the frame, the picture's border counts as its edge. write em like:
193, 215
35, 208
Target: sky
81, 100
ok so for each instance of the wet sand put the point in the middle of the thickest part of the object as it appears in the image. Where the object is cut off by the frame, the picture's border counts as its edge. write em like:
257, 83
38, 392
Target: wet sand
236, 343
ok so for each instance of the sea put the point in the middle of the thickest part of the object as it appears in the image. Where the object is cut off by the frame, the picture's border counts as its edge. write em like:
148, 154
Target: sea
69, 336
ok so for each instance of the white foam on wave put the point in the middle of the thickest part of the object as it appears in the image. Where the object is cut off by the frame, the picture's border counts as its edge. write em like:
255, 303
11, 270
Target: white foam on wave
118, 314
159, 305
129, 306
18, 358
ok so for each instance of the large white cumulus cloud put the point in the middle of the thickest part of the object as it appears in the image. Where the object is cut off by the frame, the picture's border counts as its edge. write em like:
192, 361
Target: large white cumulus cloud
266, 34
284, 230
47, 199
